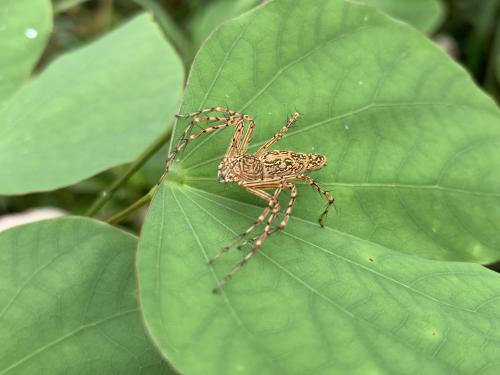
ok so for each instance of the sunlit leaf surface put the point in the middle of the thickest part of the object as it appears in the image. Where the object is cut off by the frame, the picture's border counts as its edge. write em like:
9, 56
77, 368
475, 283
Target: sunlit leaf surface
90, 110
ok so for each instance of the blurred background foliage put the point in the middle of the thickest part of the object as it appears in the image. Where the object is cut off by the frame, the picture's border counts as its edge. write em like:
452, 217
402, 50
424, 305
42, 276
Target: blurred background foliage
469, 30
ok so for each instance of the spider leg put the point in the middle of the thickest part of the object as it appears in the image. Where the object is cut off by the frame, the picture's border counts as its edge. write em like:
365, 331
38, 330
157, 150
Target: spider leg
232, 121
212, 109
284, 222
239, 144
258, 243
243, 145
185, 139
272, 201
288, 211
247, 241
265, 147
327, 195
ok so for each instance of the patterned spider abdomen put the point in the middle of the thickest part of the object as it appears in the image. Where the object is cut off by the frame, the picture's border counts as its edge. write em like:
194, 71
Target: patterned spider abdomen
289, 163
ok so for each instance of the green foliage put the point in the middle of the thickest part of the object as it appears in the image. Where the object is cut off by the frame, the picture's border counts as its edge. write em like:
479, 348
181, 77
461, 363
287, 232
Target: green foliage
68, 301
425, 15
393, 284
90, 110
411, 156
313, 302
209, 17
413, 163
24, 29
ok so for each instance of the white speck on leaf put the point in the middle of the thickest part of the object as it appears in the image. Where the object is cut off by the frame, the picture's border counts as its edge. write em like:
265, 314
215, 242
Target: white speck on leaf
30, 33
346, 127
366, 18
360, 83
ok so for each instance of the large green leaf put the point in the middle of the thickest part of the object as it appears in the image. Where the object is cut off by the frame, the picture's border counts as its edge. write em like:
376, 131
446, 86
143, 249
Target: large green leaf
25, 27
314, 301
91, 109
413, 163
425, 15
67, 301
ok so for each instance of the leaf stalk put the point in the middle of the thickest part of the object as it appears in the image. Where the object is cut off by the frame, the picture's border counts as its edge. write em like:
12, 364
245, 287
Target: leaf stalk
108, 193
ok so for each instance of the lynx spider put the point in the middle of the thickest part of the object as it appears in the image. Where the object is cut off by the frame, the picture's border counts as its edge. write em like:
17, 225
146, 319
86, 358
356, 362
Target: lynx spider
256, 173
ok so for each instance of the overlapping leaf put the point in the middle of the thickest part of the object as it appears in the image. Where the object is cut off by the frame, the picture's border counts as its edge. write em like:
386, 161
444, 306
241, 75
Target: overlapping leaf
67, 301
413, 164
24, 30
91, 109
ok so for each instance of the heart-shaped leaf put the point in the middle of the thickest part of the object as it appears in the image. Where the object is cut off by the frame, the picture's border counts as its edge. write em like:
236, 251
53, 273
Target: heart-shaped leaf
413, 165
90, 110
24, 30
67, 301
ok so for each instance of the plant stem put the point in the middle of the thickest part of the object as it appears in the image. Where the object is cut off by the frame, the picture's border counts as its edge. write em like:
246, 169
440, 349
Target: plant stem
107, 194
115, 219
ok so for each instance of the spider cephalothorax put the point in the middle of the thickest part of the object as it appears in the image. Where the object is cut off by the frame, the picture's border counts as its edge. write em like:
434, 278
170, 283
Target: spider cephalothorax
263, 170
240, 168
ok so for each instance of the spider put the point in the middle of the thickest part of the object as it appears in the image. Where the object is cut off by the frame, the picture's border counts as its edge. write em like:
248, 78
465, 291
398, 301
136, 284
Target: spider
256, 173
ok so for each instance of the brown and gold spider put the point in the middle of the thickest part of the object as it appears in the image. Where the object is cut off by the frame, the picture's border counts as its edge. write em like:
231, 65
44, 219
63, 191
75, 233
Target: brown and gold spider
256, 173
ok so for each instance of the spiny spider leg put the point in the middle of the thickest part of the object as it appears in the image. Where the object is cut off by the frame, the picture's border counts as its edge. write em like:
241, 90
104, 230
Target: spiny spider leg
247, 241
264, 184
272, 201
284, 222
206, 110
235, 120
265, 147
291, 202
258, 243
327, 195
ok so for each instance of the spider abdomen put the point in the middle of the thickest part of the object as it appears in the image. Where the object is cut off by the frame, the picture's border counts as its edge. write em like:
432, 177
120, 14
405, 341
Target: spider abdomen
289, 163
